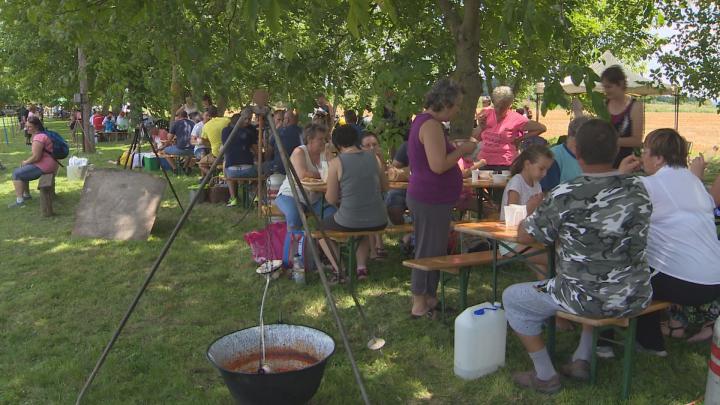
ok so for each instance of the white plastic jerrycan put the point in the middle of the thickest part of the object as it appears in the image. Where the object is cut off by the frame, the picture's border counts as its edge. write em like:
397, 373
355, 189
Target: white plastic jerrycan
480, 333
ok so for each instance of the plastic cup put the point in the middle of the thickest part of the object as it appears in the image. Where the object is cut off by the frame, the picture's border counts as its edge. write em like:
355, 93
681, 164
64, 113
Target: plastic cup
475, 175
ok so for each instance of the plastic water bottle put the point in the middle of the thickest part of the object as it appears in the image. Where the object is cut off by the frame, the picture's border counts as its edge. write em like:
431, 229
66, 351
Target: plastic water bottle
480, 333
407, 218
298, 272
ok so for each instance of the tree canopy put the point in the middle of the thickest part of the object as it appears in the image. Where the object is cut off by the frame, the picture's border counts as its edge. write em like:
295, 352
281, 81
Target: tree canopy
358, 52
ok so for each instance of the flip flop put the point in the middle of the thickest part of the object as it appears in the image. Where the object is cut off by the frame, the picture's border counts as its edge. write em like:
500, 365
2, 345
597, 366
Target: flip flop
429, 314
698, 338
669, 331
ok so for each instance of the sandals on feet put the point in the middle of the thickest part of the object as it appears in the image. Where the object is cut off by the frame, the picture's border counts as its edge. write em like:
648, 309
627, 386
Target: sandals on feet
703, 335
430, 314
362, 273
677, 332
334, 278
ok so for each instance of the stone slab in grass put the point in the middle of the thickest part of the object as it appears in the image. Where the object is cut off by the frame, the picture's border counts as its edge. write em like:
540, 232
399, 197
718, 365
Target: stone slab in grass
118, 204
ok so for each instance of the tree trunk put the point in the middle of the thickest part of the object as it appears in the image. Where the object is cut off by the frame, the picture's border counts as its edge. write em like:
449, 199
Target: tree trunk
466, 33
467, 74
176, 96
88, 138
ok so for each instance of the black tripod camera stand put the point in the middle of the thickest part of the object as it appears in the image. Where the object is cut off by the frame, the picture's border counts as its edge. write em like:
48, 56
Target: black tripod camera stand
139, 135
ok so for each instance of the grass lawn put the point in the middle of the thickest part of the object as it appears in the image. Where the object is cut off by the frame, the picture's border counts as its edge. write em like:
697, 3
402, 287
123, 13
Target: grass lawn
61, 298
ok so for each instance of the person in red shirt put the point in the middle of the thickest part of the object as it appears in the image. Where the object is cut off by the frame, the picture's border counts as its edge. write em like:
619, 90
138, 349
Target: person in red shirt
97, 121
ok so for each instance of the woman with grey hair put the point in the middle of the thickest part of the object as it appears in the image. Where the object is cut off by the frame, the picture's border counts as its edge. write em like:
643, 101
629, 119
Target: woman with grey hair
501, 129
434, 188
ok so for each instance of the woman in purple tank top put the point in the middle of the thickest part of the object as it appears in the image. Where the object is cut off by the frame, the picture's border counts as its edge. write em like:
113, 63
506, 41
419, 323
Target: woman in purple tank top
435, 186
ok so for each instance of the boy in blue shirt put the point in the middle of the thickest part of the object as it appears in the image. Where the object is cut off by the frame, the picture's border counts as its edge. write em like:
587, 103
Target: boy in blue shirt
565, 167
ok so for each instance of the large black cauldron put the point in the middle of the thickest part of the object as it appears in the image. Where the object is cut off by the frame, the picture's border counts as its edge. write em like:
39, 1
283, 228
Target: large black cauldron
302, 350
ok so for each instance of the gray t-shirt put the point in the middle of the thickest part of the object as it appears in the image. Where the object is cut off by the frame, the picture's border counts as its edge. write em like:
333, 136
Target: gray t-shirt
361, 203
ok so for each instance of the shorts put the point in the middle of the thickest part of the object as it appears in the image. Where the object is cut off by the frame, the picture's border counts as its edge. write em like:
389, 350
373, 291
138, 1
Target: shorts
234, 172
329, 224
528, 306
208, 160
27, 173
175, 150
396, 199
200, 152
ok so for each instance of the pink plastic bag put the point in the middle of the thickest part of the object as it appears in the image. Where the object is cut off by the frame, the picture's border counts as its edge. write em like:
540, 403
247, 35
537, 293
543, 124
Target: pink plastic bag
267, 244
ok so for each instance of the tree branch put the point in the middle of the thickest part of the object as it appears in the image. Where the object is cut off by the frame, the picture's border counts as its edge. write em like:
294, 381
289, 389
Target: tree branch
451, 16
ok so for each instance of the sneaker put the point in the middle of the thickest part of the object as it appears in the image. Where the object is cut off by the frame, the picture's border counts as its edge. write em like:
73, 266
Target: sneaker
528, 379
605, 352
16, 204
27, 197
577, 369
659, 353
232, 203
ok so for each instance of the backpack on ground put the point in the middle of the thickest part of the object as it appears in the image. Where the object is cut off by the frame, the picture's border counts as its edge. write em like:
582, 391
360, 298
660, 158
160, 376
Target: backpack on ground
61, 150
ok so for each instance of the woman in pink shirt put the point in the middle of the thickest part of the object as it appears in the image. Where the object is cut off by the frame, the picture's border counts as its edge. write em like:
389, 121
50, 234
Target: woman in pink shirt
39, 163
501, 129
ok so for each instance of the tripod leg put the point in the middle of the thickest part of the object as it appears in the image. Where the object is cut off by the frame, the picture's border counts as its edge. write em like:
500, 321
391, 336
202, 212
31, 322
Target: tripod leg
133, 144
154, 149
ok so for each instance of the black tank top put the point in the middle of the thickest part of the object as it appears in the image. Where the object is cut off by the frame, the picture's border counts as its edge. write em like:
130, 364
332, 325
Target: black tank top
623, 124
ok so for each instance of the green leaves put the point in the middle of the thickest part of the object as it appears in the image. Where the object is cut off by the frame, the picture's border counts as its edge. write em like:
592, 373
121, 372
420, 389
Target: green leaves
358, 15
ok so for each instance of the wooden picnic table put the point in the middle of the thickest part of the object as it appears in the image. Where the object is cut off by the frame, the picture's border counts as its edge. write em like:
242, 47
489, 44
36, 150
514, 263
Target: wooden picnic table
500, 235
489, 229
321, 186
484, 190
106, 136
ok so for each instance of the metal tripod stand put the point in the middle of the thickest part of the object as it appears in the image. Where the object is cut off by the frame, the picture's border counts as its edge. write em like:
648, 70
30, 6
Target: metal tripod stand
139, 135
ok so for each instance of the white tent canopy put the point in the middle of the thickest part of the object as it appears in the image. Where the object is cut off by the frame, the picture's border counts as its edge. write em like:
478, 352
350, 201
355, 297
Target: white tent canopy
637, 84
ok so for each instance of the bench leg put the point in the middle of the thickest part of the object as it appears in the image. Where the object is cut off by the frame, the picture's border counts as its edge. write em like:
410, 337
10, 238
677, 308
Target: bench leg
351, 249
494, 249
628, 357
593, 356
245, 195
464, 278
46, 197
442, 295
551, 336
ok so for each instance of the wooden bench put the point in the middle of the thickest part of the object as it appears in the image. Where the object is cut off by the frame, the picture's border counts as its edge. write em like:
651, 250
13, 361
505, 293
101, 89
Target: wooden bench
105, 136
46, 185
458, 265
244, 184
346, 235
271, 210
624, 326
351, 240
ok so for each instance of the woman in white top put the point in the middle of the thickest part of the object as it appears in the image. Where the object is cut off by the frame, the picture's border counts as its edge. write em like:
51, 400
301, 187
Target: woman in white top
682, 244
306, 161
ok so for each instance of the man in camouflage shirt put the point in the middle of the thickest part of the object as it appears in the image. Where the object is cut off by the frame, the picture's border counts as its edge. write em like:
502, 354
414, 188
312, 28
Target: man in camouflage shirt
599, 223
